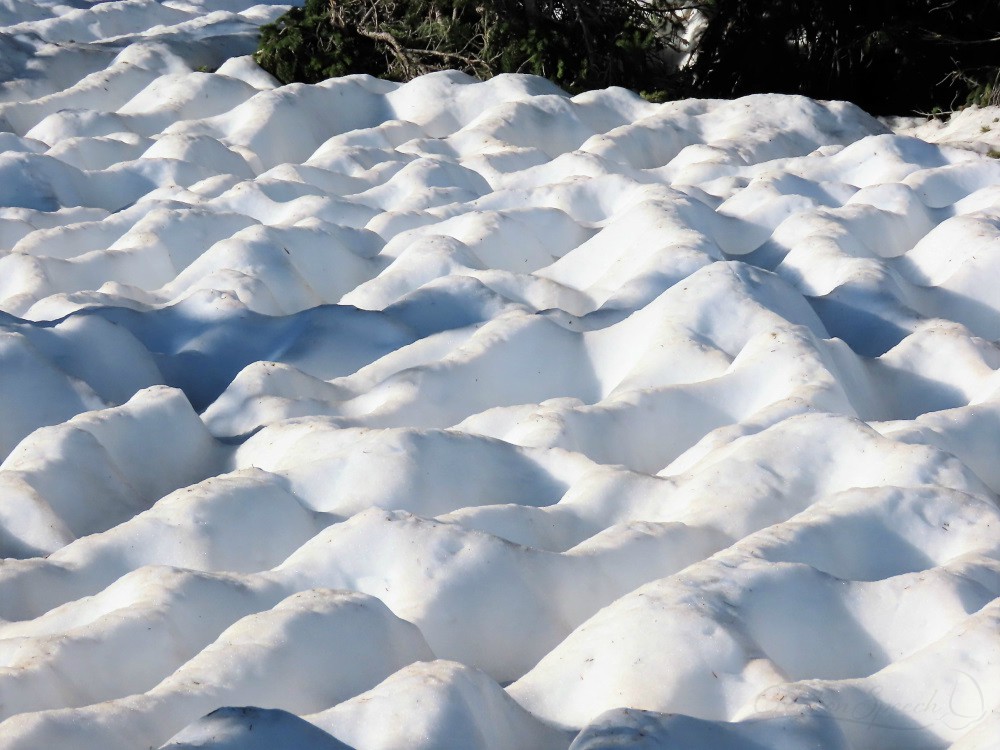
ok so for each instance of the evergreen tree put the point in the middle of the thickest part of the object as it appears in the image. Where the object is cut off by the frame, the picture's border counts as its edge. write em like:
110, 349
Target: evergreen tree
579, 44
889, 56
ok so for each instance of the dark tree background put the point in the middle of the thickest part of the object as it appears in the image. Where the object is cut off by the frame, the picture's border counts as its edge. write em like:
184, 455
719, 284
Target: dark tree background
579, 44
887, 56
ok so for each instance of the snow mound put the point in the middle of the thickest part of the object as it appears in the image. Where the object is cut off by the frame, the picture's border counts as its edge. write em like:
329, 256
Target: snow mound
470, 414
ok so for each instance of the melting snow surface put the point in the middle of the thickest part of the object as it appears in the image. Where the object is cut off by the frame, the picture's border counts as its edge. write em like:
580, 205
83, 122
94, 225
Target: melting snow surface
470, 415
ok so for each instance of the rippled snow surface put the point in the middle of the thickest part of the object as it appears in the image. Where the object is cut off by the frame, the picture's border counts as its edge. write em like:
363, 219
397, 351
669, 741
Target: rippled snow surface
470, 415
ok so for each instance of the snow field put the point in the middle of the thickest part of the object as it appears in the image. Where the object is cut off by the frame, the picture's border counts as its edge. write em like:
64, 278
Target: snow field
458, 414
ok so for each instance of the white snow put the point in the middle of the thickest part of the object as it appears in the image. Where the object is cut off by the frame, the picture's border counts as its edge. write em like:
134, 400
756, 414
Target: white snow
471, 415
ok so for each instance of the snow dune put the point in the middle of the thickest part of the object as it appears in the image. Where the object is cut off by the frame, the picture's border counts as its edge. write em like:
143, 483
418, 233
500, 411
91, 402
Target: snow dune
460, 414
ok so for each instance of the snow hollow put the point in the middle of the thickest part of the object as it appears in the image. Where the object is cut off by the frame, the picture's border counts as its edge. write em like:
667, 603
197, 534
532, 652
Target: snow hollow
470, 415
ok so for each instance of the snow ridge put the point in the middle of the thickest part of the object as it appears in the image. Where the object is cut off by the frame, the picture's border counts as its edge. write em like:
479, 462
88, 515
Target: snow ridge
467, 414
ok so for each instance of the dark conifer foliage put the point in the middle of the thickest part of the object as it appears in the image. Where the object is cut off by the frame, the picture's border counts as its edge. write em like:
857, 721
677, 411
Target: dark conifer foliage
579, 44
889, 56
